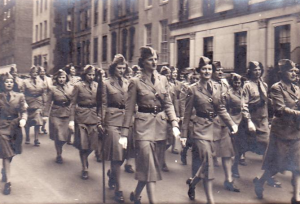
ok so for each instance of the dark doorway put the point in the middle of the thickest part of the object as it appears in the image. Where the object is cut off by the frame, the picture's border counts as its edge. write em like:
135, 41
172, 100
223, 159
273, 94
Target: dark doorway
183, 53
282, 43
240, 52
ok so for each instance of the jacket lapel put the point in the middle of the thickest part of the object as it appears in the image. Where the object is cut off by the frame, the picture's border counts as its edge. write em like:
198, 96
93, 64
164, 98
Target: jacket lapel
203, 89
114, 82
147, 81
284, 87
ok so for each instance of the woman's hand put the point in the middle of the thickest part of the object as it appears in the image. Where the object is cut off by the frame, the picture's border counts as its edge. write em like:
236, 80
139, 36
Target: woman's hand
176, 132
22, 123
183, 141
234, 129
123, 141
71, 125
251, 126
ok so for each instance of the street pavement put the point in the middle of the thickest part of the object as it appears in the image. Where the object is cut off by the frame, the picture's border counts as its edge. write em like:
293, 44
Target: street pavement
36, 178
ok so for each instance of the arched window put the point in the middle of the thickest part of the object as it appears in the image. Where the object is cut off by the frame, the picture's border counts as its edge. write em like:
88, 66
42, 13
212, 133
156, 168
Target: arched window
124, 44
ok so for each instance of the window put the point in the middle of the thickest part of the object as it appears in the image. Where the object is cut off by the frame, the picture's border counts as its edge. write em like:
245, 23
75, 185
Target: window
78, 53
104, 6
128, 6
5, 2
104, 48
83, 53
4, 16
45, 25
37, 7
131, 42
96, 3
88, 52
209, 7
149, 3
208, 49
8, 14
95, 57
41, 6
223, 5
113, 44
240, 52
183, 10
36, 33
148, 34
69, 22
124, 44
41, 31
282, 43
164, 42
46, 4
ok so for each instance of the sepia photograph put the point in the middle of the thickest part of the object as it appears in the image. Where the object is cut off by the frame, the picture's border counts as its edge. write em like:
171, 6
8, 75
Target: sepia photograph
150, 101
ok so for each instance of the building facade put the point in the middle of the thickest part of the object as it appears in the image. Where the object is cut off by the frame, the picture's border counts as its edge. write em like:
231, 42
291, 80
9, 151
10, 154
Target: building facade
15, 34
234, 32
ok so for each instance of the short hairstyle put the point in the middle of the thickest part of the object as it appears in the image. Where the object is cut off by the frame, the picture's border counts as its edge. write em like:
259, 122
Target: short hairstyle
203, 61
86, 70
145, 52
235, 77
252, 65
118, 59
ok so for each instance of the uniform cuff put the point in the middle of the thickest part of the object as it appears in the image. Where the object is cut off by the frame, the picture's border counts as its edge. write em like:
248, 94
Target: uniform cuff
125, 131
175, 123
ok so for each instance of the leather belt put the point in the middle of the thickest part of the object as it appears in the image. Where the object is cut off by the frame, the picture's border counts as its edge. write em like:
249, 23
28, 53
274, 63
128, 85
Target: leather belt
116, 106
87, 105
33, 95
155, 109
209, 114
60, 103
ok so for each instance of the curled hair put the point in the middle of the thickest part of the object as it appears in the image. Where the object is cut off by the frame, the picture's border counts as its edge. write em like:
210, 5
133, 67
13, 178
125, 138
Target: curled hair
57, 74
251, 66
118, 59
203, 61
86, 70
235, 77
145, 52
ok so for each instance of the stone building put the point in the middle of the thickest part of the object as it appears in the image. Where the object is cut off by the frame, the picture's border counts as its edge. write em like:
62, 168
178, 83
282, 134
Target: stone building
15, 34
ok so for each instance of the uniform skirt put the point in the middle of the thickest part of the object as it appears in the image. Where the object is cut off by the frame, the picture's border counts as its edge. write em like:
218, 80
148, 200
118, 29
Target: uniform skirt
10, 138
147, 162
130, 144
35, 117
113, 150
86, 136
223, 146
282, 155
59, 128
202, 159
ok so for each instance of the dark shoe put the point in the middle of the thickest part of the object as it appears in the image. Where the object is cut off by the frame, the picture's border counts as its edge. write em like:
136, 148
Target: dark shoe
175, 151
119, 196
231, 187
258, 188
27, 141
183, 158
273, 182
242, 162
98, 158
165, 168
191, 192
7, 188
293, 201
4, 178
189, 181
59, 160
36, 143
111, 181
132, 198
129, 169
44, 131
84, 175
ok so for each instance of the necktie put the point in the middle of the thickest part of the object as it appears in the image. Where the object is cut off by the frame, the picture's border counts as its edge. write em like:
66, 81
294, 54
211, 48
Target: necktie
293, 88
261, 93
209, 88
120, 82
152, 79
34, 81
8, 97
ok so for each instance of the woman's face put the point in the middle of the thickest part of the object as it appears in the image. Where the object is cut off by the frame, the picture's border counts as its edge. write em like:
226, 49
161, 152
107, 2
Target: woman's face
206, 72
42, 73
290, 75
236, 84
137, 73
72, 71
62, 79
90, 76
34, 74
174, 74
119, 70
150, 62
128, 75
195, 79
181, 77
218, 74
168, 75
256, 73
9, 84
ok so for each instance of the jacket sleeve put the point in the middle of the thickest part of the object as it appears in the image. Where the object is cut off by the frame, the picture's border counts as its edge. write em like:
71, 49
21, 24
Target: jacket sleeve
168, 105
48, 105
245, 101
104, 101
187, 112
23, 107
130, 106
222, 111
279, 104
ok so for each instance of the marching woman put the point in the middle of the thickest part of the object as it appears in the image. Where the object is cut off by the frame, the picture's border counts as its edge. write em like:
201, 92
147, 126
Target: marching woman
48, 83
13, 116
34, 91
61, 114
206, 97
255, 112
72, 78
114, 96
222, 140
87, 120
284, 146
150, 93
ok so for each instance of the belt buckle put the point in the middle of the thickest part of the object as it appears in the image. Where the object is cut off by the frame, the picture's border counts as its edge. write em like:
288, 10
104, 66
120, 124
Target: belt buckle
155, 109
210, 115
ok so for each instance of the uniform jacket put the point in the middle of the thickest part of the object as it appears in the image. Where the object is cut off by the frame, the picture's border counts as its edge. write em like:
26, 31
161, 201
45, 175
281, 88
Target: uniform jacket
252, 96
19, 83
285, 124
149, 126
83, 95
174, 99
114, 96
177, 88
59, 96
199, 98
74, 79
48, 82
34, 93
234, 105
